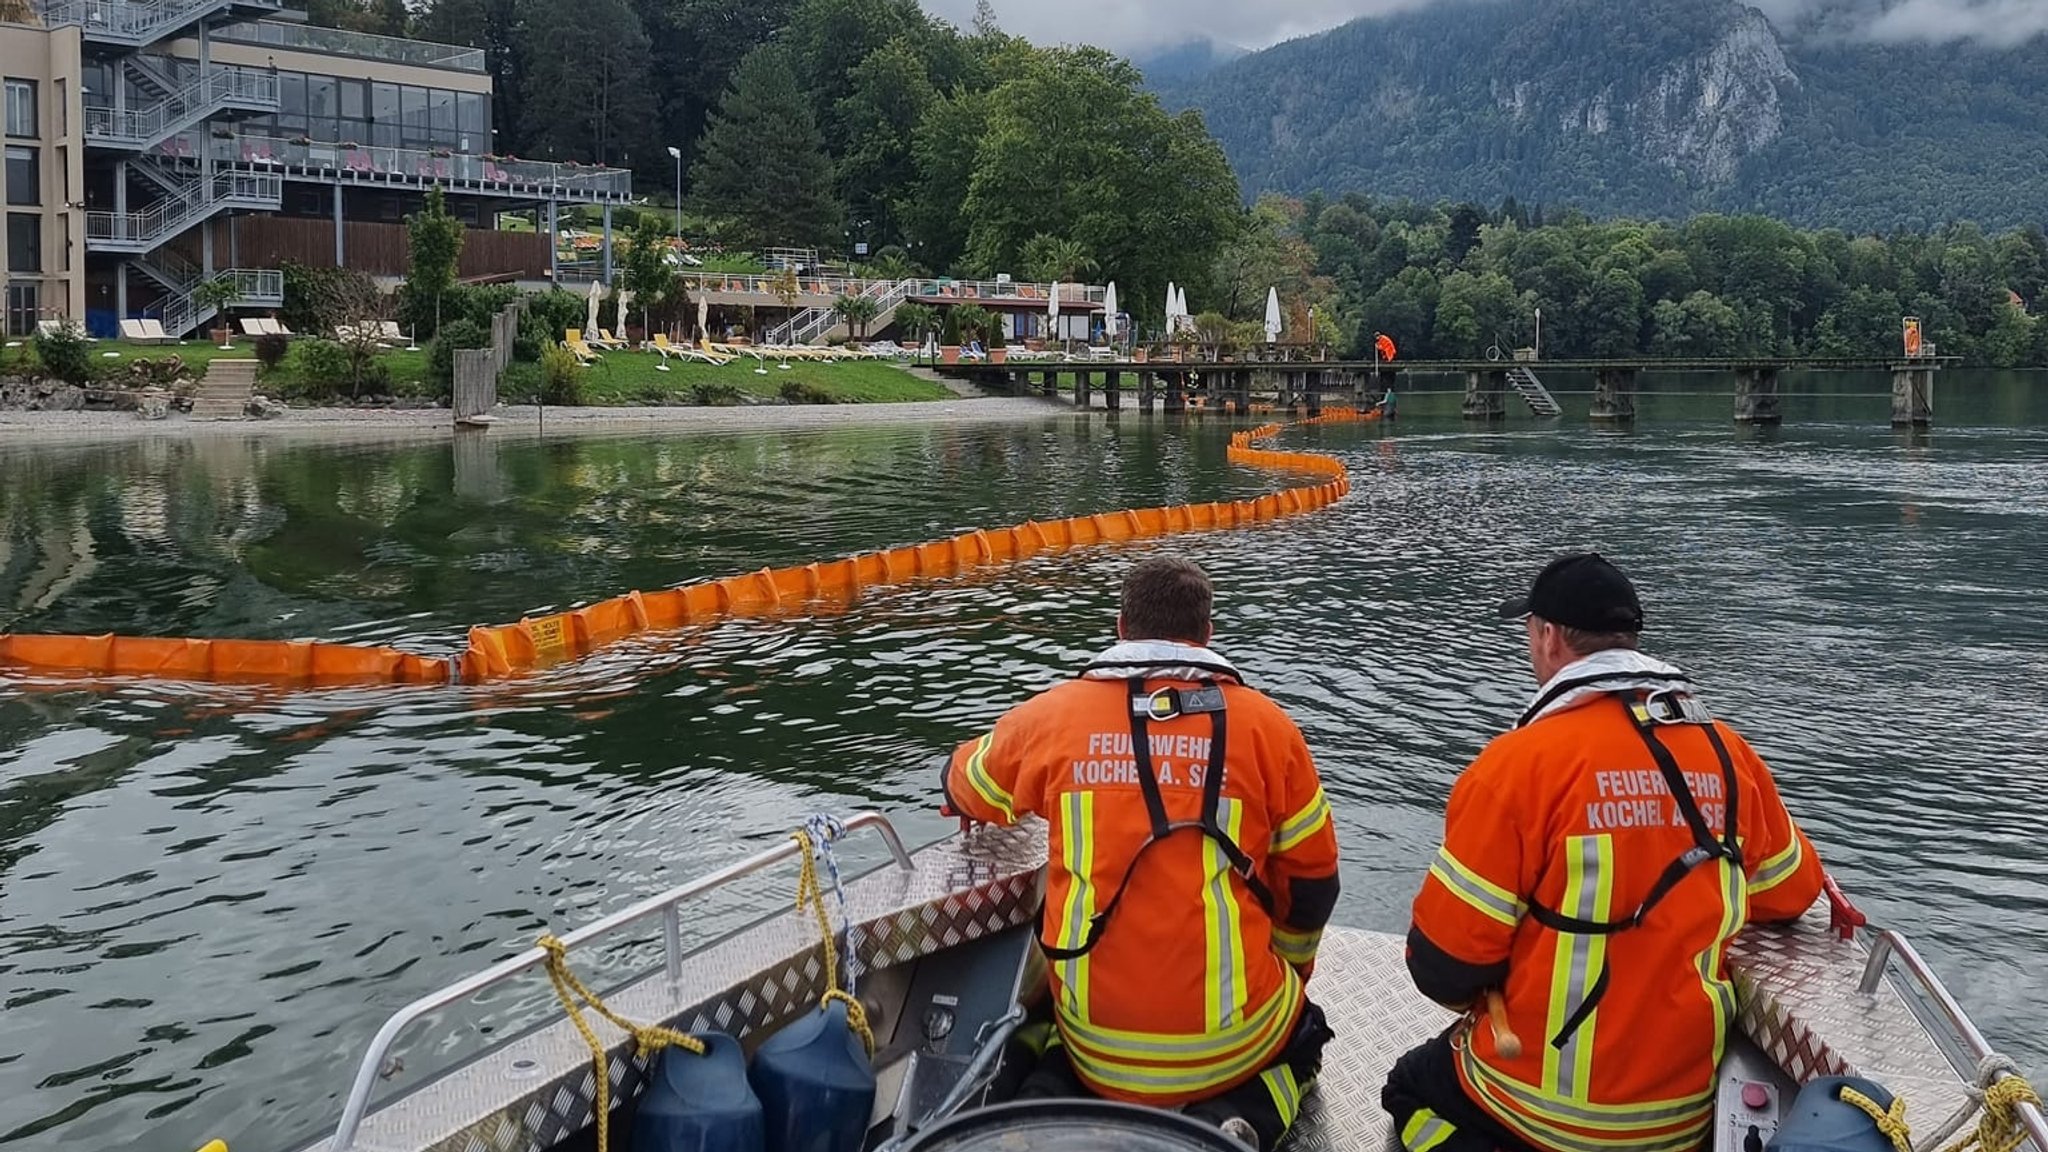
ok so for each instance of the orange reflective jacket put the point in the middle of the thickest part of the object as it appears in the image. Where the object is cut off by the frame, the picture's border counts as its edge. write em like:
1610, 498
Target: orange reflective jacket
1193, 985
1573, 877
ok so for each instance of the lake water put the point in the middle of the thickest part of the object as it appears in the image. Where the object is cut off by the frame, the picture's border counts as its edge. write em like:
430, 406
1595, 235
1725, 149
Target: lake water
209, 898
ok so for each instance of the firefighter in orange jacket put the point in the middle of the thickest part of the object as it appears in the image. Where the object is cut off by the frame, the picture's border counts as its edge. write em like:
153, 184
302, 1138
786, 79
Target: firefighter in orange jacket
1192, 868
1595, 863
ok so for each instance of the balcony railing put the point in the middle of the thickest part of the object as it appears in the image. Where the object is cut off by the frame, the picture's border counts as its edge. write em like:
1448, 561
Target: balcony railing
409, 165
252, 88
943, 291
172, 215
362, 44
133, 21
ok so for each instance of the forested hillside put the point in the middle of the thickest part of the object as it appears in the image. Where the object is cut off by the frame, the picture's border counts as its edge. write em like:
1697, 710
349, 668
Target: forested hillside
1647, 107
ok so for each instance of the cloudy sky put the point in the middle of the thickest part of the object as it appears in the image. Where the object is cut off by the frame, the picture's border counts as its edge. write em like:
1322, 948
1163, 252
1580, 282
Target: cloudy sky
1134, 25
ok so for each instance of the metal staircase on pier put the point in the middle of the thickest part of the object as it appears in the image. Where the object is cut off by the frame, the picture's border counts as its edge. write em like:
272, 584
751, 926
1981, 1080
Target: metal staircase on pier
137, 23
814, 324
1526, 385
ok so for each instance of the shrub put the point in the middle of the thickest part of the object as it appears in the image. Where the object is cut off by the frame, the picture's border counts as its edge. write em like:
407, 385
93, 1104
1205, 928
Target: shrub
715, 394
971, 321
561, 376
271, 349
158, 371
798, 392
949, 328
915, 321
454, 335
64, 353
319, 370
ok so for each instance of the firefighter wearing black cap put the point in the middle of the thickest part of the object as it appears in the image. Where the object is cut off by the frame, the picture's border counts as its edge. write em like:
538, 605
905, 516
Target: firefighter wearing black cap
1595, 863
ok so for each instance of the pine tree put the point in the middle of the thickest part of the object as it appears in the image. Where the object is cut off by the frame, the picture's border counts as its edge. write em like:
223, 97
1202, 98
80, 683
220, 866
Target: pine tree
393, 17
762, 167
584, 92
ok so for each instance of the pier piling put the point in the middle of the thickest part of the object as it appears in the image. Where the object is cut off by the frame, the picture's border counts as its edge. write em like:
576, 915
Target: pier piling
1486, 394
1912, 395
1756, 396
1614, 395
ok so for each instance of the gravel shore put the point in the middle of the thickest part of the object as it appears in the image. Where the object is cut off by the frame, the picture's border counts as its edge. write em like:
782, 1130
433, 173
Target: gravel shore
376, 424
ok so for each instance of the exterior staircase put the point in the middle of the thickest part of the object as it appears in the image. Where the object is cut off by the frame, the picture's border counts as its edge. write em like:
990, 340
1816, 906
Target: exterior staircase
819, 325
223, 89
150, 228
1541, 402
224, 393
135, 23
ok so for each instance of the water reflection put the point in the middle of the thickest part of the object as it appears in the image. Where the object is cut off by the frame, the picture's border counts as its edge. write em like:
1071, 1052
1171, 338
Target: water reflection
209, 897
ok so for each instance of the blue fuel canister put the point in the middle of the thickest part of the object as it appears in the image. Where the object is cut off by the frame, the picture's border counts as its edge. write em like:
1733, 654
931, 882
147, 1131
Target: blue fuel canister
1819, 1121
816, 1084
700, 1103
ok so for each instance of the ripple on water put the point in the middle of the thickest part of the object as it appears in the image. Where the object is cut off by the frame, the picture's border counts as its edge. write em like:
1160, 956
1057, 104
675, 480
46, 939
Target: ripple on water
211, 896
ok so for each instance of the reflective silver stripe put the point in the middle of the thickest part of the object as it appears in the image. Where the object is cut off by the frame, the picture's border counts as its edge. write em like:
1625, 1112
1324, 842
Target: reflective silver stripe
1474, 889
1616, 1117
1776, 870
1425, 1131
1302, 824
1581, 955
1228, 814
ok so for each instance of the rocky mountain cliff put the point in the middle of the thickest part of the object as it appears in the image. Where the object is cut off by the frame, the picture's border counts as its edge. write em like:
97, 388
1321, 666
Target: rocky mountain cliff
1657, 107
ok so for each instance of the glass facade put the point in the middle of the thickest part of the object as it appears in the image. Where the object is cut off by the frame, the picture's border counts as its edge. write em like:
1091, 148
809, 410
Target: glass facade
338, 110
21, 108
342, 110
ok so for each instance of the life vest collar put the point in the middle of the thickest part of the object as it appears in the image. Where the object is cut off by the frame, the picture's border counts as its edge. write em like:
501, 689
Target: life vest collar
1603, 674
1161, 660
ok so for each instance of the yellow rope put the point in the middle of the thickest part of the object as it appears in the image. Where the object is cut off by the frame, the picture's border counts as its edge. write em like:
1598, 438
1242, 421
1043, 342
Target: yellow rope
1891, 1122
811, 896
647, 1039
1998, 1128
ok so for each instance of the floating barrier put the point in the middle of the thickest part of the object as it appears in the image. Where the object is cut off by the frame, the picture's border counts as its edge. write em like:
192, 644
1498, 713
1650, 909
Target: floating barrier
509, 650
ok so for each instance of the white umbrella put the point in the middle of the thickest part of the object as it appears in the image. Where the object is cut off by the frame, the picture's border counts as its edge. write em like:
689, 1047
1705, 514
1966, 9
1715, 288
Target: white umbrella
1172, 302
1180, 308
590, 308
1273, 321
1109, 311
1052, 312
703, 318
619, 326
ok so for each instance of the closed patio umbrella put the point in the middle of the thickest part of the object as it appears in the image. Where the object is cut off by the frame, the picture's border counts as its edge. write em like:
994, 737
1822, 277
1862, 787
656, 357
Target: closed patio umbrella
1109, 312
1273, 321
590, 308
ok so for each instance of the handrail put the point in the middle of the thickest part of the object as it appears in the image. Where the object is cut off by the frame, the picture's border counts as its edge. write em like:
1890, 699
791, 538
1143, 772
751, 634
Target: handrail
358, 1103
127, 19
174, 214
1887, 943
370, 162
278, 33
178, 111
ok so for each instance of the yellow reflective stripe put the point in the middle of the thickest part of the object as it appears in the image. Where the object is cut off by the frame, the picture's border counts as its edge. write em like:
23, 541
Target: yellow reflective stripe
1285, 1091
1192, 1048
1588, 895
1482, 894
1296, 829
1425, 1130
1223, 919
1734, 914
1160, 1079
1643, 1114
1296, 947
1777, 869
1077, 856
985, 785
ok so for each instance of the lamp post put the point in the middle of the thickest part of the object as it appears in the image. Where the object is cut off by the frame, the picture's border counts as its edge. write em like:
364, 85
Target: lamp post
677, 153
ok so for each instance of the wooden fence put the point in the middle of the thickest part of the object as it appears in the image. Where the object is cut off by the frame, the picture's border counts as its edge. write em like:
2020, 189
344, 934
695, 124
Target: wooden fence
378, 249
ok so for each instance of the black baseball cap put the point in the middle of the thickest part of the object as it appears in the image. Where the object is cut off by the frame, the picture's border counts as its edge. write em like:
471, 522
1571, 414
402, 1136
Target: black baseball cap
1581, 590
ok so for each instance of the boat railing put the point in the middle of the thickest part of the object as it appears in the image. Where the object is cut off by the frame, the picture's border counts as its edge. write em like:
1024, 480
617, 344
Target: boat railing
1887, 945
665, 905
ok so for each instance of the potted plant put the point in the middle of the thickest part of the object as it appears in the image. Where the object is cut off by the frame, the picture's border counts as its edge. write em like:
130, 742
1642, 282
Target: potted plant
949, 337
972, 321
998, 347
218, 294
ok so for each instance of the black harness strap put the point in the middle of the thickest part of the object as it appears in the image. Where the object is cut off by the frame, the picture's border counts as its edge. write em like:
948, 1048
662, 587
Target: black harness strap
1705, 847
1210, 823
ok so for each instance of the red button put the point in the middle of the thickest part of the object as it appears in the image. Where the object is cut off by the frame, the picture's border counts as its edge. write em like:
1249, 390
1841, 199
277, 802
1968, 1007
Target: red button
1756, 1097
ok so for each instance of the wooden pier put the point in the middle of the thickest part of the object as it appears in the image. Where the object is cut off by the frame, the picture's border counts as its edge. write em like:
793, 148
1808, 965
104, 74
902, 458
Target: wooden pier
1234, 386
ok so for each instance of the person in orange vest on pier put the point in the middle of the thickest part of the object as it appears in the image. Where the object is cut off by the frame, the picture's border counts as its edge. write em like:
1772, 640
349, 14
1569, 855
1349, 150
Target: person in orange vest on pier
1192, 869
1595, 863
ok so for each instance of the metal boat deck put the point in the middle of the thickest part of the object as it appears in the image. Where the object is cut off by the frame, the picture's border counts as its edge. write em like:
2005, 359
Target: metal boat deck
1799, 990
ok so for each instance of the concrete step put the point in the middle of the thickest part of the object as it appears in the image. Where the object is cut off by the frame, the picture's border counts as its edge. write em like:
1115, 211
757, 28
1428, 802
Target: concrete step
224, 393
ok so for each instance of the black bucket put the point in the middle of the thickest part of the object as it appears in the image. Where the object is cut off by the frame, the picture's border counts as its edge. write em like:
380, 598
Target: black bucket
1072, 1126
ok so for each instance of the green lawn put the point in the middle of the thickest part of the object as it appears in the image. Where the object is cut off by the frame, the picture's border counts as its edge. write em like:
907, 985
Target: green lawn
626, 378
620, 378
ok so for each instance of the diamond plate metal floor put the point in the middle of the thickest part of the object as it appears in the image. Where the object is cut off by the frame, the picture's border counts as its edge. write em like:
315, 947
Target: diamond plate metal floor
1362, 984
